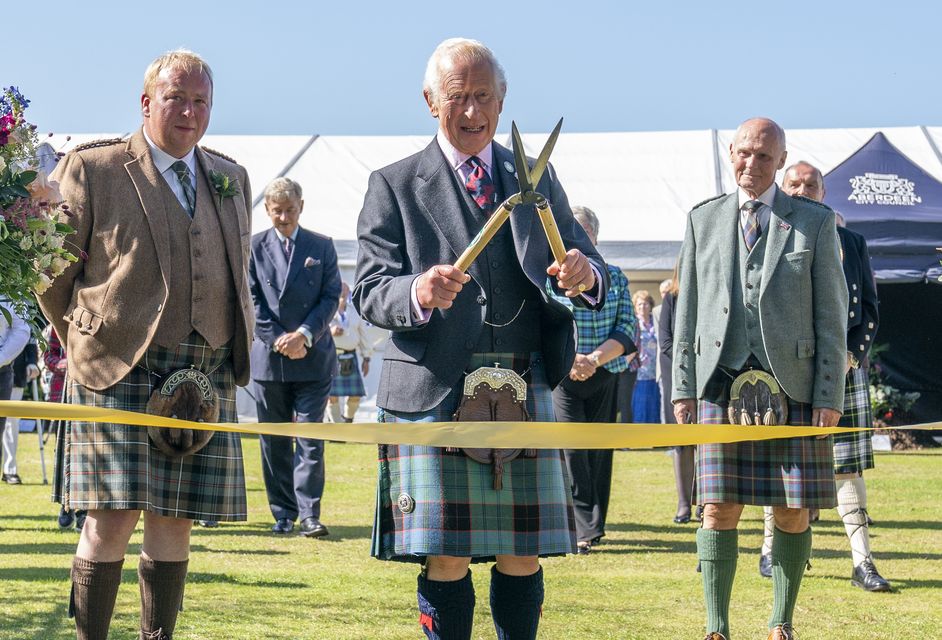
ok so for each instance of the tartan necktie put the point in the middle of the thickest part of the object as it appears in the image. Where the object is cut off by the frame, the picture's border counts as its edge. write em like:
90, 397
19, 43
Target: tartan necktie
480, 186
751, 231
189, 191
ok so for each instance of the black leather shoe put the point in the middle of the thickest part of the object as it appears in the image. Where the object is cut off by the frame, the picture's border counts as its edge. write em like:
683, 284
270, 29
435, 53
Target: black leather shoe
311, 527
208, 524
765, 565
682, 518
583, 548
283, 525
80, 519
12, 478
867, 578
65, 519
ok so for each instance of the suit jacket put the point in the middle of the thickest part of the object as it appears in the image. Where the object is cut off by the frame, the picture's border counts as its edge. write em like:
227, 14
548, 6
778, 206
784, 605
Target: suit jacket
802, 298
415, 217
304, 293
106, 308
863, 316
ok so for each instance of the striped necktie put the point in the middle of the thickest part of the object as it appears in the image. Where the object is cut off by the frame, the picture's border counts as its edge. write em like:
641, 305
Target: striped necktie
189, 191
751, 231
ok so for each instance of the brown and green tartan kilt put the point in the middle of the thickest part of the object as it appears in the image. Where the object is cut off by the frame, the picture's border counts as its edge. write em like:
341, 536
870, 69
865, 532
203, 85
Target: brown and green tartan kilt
456, 510
115, 466
788, 472
853, 452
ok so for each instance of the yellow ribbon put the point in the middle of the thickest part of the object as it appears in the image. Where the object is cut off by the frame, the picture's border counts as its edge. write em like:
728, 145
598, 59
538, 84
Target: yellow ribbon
530, 435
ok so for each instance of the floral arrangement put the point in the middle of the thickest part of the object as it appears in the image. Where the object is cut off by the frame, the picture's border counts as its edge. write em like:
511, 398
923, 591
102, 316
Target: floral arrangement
32, 213
887, 403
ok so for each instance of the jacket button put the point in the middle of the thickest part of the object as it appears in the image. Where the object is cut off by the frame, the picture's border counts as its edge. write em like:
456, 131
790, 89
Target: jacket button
751, 266
718, 343
482, 300
683, 351
498, 341
824, 361
867, 338
855, 299
870, 325
401, 319
852, 314
497, 290
749, 285
495, 264
683, 382
725, 309
498, 316
824, 392
827, 377
854, 286
748, 306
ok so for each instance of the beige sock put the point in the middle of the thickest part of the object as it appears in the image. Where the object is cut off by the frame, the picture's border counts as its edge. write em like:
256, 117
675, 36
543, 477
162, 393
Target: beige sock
333, 410
768, 518
350, 411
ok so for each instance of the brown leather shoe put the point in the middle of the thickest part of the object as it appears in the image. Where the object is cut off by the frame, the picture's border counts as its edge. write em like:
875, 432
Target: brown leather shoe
782, 632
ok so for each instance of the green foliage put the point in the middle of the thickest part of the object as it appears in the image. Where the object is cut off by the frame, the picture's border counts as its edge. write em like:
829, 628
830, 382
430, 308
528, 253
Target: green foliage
887, 403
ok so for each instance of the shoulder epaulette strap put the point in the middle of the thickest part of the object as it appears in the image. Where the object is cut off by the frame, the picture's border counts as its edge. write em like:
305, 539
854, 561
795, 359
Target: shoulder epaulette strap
700, 204
219, 153
98, 143
814, 202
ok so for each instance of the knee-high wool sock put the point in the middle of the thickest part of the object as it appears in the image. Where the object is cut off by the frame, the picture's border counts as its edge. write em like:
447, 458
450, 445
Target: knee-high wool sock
94, 589
446, 609
718, 552
852, 507
768, 526
790, 553
161, 585
516, 604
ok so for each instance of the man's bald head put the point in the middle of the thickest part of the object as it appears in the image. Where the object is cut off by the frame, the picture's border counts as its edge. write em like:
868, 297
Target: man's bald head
804, 179
756, 153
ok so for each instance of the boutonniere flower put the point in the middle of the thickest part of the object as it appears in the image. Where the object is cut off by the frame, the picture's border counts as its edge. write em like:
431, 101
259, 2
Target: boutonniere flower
310, 262
224, 186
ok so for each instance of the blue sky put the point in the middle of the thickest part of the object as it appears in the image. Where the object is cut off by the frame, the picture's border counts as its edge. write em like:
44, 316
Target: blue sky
356, 67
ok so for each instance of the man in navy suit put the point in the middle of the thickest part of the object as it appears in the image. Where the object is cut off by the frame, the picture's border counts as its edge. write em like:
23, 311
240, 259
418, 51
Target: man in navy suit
295, 285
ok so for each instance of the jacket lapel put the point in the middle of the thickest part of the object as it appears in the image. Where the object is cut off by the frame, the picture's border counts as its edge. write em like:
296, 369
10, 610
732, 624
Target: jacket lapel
524, 222
276, 266
438, 195
729, 242
208, 203
779, 232
148, 184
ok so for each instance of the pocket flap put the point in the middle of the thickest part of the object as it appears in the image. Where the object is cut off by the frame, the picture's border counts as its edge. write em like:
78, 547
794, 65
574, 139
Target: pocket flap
404, 350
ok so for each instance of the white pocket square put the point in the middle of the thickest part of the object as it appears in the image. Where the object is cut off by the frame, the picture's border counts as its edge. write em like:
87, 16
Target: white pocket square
310, 262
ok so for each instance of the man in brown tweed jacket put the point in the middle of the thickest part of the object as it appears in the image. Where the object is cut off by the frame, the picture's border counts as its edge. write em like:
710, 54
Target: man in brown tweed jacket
165, 227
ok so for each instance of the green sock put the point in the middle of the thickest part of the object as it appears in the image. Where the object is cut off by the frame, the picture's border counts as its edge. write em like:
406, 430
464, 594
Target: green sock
790, 553
718, 551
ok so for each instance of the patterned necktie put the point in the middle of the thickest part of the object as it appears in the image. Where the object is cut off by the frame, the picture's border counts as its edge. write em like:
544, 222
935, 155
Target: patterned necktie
750, 228
480, 186
189, 191
287, 247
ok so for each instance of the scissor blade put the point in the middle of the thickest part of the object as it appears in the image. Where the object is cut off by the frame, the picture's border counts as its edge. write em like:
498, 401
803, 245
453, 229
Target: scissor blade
543, 160
520, 161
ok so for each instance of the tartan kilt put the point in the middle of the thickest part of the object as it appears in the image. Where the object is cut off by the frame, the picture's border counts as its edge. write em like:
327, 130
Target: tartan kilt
788, 472
115, 466
457, 511
351, 384
853, 452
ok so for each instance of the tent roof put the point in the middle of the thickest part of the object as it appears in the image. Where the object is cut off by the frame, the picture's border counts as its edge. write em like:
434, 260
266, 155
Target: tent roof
895, 204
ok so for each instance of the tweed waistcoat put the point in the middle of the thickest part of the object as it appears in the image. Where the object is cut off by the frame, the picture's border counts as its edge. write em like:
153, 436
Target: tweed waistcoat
201, 296
744, 332
512, 302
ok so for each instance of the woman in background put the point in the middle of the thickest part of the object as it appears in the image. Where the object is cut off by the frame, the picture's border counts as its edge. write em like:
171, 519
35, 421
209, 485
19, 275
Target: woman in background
646, 399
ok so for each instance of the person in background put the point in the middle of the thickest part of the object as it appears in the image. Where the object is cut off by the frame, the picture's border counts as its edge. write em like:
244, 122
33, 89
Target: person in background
683, 455
645, 399
14, 336
352, 341
853, 452
25, 370
605, 345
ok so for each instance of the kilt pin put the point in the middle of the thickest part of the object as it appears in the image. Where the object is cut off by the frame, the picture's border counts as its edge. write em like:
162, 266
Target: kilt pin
431, 501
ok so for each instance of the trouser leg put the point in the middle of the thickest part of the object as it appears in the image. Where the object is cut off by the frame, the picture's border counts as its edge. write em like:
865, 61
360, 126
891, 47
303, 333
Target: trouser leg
309, 474
11, 436
683, 478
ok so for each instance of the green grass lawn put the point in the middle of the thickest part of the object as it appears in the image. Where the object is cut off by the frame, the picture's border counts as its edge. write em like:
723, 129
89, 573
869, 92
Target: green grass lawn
245, 582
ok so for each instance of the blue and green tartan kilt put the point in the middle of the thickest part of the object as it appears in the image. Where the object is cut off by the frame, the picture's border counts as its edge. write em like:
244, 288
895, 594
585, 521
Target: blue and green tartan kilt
350, 384
853, 452
457, 511
788, 472
115, 466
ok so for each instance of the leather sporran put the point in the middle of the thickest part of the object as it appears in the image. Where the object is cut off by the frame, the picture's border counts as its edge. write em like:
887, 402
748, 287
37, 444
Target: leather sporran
492, 394
347, 363
756, 398
185, 394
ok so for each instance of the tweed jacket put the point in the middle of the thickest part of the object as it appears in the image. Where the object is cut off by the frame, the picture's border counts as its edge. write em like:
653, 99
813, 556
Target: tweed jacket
802, 298
106, 308
863, 315
413, 218
304, 293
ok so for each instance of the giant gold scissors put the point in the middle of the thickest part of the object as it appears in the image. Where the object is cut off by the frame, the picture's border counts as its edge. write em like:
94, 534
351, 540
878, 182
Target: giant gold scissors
527, 181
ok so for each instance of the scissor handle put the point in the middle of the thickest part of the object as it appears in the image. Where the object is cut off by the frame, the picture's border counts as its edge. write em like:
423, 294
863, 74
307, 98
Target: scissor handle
490, 229
551, 230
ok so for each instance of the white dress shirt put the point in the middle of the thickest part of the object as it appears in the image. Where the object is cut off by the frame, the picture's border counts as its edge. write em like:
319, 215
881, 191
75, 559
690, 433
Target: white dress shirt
163, 161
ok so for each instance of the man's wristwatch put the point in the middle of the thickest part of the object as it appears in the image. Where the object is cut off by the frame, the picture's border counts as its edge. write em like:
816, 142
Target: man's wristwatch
594, 359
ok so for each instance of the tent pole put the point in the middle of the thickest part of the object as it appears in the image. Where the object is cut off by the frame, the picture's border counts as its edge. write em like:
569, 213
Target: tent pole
287, 167
718, 175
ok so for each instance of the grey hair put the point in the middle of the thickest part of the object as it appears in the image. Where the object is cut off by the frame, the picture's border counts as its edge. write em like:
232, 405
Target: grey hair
181, 59
586, 215
460, 49
283, 189
805, 163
